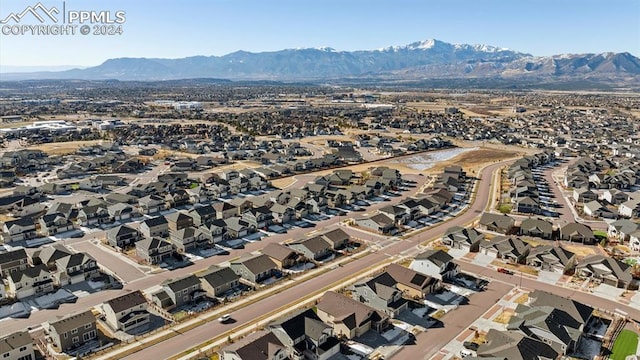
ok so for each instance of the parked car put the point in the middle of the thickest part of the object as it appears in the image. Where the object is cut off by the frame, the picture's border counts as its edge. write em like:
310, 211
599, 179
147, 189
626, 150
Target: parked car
505, 271
470, 345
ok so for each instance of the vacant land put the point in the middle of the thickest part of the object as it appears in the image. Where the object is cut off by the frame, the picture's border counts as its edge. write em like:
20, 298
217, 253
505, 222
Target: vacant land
64, 148
473, 160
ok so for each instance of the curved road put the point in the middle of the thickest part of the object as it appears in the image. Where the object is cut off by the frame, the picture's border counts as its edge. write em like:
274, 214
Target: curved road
291, 296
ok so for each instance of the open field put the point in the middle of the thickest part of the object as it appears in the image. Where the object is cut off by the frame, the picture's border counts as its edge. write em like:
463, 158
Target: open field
473, 160
64, 148
284, 182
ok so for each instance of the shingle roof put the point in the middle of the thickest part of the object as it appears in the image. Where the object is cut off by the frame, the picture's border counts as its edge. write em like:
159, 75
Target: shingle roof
73, 321
437, 257
127, 301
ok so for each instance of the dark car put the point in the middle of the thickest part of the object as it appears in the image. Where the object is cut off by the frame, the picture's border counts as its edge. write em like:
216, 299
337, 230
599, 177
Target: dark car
470, 345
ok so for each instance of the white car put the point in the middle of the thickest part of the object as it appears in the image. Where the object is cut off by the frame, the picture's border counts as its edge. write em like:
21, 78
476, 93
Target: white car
224, 318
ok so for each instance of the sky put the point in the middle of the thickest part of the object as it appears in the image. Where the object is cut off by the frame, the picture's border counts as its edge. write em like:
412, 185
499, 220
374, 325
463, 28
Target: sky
181, 28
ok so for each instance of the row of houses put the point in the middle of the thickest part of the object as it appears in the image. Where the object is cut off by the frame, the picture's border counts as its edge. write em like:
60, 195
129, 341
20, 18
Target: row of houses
513, 249
524, 191
390, 218
317, 333
547, 326
48, 268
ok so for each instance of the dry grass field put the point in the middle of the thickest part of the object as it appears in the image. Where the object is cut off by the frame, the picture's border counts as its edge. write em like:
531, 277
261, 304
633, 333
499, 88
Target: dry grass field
504, 317
64, 148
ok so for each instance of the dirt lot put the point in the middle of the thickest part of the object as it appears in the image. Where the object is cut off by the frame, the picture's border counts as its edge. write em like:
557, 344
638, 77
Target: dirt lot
580, 251
473, 160
63, 148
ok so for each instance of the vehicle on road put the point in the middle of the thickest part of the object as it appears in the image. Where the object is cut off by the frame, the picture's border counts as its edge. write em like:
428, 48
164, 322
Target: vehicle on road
505, 271
224, 318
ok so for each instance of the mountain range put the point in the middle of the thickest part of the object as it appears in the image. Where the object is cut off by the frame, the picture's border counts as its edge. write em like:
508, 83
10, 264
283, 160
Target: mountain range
423, 60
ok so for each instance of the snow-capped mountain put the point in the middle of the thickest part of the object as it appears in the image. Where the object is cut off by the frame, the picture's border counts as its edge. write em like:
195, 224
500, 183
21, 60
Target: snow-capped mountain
415, 61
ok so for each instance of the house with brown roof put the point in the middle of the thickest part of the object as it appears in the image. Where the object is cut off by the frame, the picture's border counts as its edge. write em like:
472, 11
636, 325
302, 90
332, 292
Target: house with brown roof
501, 223
14, 260
126, 312
577, 232
216, 280
412, 283
283, 256
348, 317
314, 248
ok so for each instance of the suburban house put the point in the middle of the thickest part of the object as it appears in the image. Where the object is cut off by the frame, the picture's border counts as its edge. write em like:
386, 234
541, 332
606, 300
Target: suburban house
120, 211
379, 222
380, 293
501, 223
178, 221
76, 268
17, 346
14, 260
435, 263
306, 336
126, 312
513, 345
155, 227
348, 317
154, 251
467, 239
48, 255
337, 238
188, 238
584, 195
36, 280
577, 232
314, 248
255, 268
622, 229
72, 331
260, 345
19, 229
151, 204
51, 224
217, 281
123, 236
596, 209
182, 291
283, 256
604, 269
552, 258
202, 215
548, 324
512, 249
412, 283
536, 227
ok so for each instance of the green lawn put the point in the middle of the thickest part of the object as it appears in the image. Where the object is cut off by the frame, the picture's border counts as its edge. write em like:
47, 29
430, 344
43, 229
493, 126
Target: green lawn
600, 234
625, 345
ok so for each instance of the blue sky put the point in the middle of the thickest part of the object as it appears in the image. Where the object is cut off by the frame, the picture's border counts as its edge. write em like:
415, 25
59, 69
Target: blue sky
180, 28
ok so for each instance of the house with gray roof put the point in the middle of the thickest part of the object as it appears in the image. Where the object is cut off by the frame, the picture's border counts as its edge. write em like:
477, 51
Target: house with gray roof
216, 280
19, 229
552, 258
548, 324
17, 346
577, 232
14, 260
514, 345
305, 335
76, 268
284, 256
536, 227
72, 331
467, 239
123, 236
183, 290
512, 249
380, 292
314, 248
126, 312
36, 280
154, 250
379, 222
435, 263
260, 345
607, 270
155, 227
622, 229
254, 268
501, 223
51, 224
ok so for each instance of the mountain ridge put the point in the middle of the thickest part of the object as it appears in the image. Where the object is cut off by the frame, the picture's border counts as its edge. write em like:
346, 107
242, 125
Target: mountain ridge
426, 59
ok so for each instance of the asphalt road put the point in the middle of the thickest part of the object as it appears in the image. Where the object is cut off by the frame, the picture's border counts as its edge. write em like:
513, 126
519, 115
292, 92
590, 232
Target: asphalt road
291, 296
136, 280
